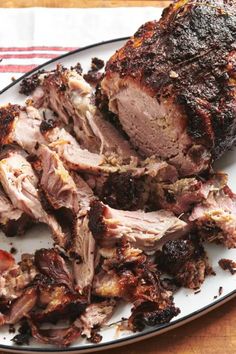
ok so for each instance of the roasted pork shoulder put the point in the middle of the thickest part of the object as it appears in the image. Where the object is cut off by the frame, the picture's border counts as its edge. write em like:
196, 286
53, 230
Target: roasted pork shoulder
172, 84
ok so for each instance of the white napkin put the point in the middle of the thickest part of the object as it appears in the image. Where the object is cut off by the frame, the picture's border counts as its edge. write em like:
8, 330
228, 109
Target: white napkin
31, 36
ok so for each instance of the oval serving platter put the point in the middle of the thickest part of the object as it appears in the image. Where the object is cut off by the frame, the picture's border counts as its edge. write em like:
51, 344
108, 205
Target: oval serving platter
191, 305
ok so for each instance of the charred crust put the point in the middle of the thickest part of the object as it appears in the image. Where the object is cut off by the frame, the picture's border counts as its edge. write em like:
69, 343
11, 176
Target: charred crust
228, 264
29, 84
121, 191
93, 77
7, 116
96, 223
177, 252
77, 68
17, 227
170, 196
97, 64
148, 314
95, 336
24, 334
47, 125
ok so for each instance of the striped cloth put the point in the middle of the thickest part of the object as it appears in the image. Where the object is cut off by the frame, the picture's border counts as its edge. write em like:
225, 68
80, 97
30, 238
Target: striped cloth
29, 37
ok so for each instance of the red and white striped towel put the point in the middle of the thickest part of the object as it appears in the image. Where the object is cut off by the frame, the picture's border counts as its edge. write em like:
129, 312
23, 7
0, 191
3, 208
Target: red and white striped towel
29, 37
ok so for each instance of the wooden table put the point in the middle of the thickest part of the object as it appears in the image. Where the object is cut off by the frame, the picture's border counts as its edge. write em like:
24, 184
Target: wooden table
214, 333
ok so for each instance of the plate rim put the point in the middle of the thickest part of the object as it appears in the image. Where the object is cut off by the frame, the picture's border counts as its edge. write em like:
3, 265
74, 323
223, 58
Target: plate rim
136, 336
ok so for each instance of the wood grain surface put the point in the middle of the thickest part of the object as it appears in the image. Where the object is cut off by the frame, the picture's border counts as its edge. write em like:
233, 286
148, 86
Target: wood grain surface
214, 333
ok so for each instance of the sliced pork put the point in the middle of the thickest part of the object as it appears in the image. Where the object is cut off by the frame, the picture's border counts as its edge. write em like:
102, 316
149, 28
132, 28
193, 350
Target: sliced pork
43, 129
171, 86
147, 231
21, 185
22, 126
129, 275
83, 250
94, 317
71, 97
13, 221
56, 182
215, 217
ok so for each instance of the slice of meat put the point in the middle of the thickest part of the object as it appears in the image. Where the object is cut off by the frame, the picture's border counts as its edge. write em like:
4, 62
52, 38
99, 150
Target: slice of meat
61, 337
85, 194
56, 182
12, 220
83, 250
215, 216
147, 231
186, 261
70, 96
71, 153
178, 197
15, 277
52, 265
41, 127
130, 275
21, 185
21, 125
22, 306
111, 141
95, 316
171, 84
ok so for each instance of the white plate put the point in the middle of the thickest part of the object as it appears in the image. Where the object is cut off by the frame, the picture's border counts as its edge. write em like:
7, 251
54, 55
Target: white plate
191, 305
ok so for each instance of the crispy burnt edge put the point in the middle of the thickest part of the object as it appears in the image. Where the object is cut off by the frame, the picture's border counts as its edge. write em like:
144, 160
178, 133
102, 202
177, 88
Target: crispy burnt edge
96, 223
228, 264
48, 279
140, 283
93, 76
122, 191
148, 314
8, 114
180, 259
17, 227
29, 84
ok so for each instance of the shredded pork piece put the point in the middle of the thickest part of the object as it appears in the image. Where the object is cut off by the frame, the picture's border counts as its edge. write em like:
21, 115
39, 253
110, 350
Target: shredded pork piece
147, 231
